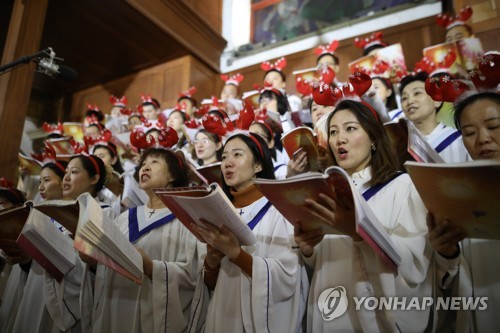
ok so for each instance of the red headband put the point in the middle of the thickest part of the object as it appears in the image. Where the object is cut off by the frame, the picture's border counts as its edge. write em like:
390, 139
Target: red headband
94, 163
256, 141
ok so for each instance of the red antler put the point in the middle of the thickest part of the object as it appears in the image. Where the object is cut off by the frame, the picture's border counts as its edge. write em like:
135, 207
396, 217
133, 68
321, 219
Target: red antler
279, 65
330, 48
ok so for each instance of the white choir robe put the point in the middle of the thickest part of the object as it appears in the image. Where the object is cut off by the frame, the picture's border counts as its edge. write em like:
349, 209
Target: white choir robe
280, 164
448, 143
338, 261
14, 289
472, 274
45, 304
273, 299
162, 303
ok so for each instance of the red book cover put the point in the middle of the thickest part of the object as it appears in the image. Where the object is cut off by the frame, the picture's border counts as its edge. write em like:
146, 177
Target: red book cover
211, 172
305, 139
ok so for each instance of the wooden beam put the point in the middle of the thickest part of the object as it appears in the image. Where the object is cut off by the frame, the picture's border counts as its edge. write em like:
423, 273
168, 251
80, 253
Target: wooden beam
187, 27
23, 38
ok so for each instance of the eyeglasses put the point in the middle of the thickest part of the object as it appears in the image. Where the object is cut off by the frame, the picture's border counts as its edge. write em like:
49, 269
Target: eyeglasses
204, 141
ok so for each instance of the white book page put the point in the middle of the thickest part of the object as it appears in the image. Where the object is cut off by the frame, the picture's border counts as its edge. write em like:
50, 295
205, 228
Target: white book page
218, 210
48, 239
114, 243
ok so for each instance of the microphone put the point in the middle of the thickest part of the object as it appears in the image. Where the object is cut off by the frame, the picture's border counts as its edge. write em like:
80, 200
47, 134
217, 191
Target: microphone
49, 67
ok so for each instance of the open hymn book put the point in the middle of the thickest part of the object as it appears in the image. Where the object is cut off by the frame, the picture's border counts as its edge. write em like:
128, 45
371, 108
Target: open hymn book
97, 236
467, 194
288, 197
302, 139
404, 131
190, 204
47, 244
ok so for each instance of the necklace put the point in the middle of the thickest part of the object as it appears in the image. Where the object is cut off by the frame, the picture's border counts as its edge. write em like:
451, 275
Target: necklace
152, 212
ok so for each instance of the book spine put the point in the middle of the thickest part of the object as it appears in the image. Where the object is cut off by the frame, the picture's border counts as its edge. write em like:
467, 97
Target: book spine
368, 239
40, 258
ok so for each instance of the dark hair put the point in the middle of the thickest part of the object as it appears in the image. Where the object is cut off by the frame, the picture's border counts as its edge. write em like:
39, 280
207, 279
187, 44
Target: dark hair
280, 98
269, 138
183, 114
215, 138
391, 103
283, 76
264, 159
373, 47
383, 162
15, 196
59, 169
89, 166
186, 97
111, 148
460, 106
335, 58
420, 76
97, 114
135, 115
154, 102
53, 136
176, 163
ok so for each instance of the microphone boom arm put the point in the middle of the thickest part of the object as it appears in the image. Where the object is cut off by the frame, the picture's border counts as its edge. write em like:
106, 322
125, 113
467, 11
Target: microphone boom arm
23, 60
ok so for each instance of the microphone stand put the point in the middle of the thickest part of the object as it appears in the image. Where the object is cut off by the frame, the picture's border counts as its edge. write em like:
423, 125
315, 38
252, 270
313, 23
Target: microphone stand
23, 60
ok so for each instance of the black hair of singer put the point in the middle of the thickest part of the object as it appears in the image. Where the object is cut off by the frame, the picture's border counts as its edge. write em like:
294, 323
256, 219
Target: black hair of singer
335, 58
52, 166
460, 106
391, 103
266, 161
90, 168
280, 98
117, 166
176, 163
384, 164
283, 76
156, 106
420, 76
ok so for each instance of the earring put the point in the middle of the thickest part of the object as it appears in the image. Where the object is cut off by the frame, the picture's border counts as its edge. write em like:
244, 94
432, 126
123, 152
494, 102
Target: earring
372, 147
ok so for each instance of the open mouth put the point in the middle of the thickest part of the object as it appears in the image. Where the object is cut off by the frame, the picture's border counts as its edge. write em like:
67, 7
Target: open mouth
228, 174
342, 153
145, 177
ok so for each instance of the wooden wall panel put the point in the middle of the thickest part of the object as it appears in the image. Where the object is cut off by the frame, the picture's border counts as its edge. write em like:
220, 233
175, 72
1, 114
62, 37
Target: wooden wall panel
209, 10
162, 82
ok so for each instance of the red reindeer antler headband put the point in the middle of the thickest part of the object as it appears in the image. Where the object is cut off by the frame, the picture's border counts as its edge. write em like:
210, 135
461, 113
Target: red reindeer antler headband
359, 83
233, 79
278, 65
48, 155
147, 99
53, 128
166, 138
225, 127
449, 22
327, 49
374, 39
485, 77
102, 140
119, 102
188, 93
